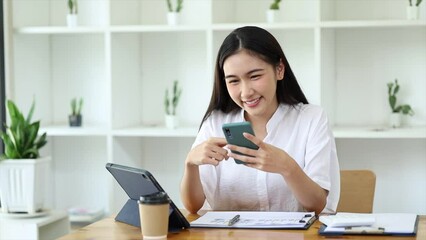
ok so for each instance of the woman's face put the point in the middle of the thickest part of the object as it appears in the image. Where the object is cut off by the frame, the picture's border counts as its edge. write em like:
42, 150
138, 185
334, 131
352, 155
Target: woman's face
252, 83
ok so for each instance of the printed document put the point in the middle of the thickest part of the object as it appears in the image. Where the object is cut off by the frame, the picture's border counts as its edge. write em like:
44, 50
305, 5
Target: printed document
247, 219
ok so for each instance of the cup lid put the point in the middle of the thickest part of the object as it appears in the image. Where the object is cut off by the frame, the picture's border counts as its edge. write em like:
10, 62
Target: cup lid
155, 198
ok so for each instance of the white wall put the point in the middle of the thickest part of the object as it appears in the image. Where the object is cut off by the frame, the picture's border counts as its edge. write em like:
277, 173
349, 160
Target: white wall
400, 167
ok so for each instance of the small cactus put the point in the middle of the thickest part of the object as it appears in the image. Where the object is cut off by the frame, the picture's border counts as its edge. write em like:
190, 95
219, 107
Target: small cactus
275, 5
178, 6
393, 88
174, 100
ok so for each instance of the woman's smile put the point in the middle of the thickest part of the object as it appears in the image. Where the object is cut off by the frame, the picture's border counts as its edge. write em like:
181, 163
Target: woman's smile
252, 103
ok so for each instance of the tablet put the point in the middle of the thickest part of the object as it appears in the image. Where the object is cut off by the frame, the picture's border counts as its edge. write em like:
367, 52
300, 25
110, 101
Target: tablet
137, 182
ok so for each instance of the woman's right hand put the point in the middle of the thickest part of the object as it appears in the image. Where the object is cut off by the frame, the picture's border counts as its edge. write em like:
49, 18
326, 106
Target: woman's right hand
208, 152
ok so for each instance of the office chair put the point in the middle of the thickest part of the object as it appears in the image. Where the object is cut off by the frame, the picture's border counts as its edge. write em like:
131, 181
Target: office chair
356, 191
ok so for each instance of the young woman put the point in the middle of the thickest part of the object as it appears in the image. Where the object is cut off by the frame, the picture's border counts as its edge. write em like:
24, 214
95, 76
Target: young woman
295, 167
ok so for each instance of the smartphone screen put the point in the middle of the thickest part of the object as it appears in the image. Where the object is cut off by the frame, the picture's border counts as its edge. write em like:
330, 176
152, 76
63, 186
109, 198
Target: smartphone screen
234, 135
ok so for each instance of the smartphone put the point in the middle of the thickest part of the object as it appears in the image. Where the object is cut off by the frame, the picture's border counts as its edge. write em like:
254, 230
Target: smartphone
234, 135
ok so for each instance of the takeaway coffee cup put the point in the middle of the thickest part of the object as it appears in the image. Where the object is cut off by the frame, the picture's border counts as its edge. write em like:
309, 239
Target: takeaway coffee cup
154, 215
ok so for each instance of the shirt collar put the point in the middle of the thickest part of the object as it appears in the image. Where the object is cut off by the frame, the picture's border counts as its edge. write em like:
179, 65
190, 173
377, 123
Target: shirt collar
275, 119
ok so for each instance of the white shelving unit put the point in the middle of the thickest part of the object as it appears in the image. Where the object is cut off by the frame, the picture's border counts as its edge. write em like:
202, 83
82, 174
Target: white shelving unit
123, 55
50, 226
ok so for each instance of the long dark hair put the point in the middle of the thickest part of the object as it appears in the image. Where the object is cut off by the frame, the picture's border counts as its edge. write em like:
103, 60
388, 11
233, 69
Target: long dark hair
263, 44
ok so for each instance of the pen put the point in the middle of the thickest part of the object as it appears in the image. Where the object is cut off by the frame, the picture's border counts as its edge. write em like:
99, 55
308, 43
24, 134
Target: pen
234, 220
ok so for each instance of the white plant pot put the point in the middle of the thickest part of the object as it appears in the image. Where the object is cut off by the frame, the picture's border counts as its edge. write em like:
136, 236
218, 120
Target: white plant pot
395, 120
412, 12
271, 16
173, 18
72, 20
23, 184
172, 121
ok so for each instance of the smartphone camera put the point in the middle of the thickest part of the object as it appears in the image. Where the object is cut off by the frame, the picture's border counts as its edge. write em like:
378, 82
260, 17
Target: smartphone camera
228, 133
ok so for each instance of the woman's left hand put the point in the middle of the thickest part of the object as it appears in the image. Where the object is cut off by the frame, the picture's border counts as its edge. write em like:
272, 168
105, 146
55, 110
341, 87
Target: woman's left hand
275, 160
267, 158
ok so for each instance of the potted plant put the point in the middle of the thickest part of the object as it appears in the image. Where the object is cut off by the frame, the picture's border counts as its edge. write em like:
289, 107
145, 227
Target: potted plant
413, 10
23, 173
397, 110
170, 105
173, 13
271, 12
75, 118
72, 13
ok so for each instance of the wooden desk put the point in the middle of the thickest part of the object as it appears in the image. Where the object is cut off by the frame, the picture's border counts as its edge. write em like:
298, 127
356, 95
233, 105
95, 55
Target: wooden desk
110, 229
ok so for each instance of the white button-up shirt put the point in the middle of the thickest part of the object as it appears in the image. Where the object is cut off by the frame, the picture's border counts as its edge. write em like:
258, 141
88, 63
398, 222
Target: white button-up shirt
303, 132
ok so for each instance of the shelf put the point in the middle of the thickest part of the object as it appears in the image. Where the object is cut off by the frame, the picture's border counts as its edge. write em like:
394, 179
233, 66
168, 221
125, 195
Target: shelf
220, 27
156, 28
379, 132
372, 23
281, 25
65, 130
160, 131
59, 30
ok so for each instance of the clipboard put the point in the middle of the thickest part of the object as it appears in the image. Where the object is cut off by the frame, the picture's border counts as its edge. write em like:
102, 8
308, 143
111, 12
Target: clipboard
136, 182
387, 224
255, 220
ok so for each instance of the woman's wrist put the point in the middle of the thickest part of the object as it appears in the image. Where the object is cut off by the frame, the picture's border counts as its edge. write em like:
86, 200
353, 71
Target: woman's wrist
290, 167
189, 164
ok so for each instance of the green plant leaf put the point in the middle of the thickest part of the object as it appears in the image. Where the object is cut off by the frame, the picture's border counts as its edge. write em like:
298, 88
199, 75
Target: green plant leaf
41, 141
15, 115
73, 106
20, 138
275, 5
80, 106
72, 6
392, 102
179, 5
32, 134
9, 151
176, 96
12, 137
30, 113
169, 6
396, 89
397, 109
407, 110
390, 86
166, 102
30, 153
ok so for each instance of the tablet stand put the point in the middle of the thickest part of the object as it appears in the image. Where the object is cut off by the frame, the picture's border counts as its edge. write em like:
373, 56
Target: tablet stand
130, 214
